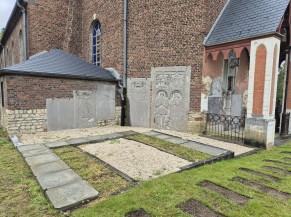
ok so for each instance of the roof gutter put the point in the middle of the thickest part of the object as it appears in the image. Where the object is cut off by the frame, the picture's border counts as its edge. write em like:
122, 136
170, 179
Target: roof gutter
52, 75
23, 10
247, 38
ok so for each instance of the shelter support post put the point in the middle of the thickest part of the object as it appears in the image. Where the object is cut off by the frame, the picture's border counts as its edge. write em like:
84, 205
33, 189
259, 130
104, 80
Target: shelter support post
262, 91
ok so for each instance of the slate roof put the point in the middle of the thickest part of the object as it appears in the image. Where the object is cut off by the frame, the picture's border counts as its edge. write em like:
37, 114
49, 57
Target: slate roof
243, 19
58, 63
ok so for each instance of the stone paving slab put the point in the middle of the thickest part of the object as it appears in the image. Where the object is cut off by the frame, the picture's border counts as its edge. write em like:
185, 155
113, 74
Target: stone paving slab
162, 136
94, 139
207, 149
24, 148
152, 133
41, 159
35, 152
79, 141
71, 195
176, 140
57, 179
55, 166
112, 136
56, 144
128, 133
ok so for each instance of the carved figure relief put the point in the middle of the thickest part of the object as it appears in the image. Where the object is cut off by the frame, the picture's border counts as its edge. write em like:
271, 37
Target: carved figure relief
171, 99
162, 109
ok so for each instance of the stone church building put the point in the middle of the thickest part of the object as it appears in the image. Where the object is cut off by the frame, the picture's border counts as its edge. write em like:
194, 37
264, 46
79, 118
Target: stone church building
178, 60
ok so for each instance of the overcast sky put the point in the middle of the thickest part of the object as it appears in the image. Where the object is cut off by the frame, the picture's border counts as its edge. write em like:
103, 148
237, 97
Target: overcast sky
6, 7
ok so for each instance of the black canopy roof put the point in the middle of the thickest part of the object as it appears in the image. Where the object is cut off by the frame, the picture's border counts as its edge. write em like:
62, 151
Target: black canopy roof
243, 19
58, 63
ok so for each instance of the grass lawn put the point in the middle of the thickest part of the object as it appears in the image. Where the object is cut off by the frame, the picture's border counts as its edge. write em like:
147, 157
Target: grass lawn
160, 197
20, 194
185, 152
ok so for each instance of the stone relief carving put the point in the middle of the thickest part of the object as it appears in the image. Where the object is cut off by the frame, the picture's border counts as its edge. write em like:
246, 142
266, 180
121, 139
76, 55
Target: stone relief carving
138, 102
171, 96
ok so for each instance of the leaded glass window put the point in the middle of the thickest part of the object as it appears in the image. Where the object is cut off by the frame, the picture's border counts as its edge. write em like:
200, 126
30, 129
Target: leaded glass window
96, 49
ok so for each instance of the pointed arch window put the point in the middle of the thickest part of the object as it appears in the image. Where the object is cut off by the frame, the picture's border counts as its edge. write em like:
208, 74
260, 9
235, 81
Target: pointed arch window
96, 45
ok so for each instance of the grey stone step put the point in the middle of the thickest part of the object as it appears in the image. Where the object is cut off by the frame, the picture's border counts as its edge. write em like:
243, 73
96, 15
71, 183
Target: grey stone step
152, 133
56, 144
79, 141
207, 149
55, 166
36, 152
24, 148
41, 159
176, 140
57, 179
69, 196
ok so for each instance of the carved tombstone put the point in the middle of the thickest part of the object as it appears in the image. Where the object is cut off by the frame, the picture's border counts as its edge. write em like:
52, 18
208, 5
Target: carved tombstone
215, 99
170, 97
85, 108
138, 94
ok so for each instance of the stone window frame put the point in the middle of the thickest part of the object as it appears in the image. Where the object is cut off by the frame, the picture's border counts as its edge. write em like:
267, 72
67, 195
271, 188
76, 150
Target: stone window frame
96, 52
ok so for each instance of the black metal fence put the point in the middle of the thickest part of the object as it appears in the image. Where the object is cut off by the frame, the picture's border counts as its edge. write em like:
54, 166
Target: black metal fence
225, 126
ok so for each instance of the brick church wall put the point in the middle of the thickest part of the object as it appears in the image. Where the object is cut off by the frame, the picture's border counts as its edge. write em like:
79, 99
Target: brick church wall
170, 33
110, 15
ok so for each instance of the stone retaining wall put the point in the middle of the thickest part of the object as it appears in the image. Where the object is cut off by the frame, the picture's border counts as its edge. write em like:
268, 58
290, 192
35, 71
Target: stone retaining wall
32, 121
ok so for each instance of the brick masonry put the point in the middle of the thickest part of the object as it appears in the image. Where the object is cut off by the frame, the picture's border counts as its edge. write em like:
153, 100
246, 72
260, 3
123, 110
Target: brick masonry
160, 33
259, 82
25, 97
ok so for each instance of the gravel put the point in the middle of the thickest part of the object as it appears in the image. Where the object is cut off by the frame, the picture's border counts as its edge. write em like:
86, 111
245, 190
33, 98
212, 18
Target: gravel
135, 159
78, 133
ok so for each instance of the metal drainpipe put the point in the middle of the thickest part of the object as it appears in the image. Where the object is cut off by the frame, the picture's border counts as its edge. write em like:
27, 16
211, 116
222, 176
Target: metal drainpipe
124, 79
3, 49
25, 29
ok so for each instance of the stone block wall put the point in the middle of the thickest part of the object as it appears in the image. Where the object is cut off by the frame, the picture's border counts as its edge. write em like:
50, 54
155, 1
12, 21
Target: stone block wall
33, 121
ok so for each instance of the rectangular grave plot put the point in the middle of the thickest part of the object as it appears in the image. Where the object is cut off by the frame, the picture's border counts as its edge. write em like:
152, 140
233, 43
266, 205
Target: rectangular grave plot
263, 175
277, 170
267, 190
197, 209
138, 213
228, 194
279, 163
286, 158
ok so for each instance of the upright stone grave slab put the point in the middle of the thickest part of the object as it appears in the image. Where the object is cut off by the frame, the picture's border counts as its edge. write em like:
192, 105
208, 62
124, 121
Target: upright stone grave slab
139, 102
60, 114
170, 97
105, 102
85, 108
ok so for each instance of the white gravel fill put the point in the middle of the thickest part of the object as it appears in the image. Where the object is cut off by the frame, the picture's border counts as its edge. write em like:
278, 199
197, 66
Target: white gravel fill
139, 161
77, 133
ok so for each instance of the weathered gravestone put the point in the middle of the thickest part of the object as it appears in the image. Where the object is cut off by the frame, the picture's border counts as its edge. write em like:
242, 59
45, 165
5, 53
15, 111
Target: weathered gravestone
170, 97
139, 102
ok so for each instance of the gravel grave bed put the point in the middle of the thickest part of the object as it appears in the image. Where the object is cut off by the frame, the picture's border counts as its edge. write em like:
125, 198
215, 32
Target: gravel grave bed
79, 133
138, 161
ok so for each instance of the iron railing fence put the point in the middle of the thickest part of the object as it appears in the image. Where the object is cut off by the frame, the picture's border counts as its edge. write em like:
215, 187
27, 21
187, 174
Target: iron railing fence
226, 127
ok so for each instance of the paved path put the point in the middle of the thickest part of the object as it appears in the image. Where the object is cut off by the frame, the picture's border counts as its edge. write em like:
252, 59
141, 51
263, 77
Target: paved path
64, 188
